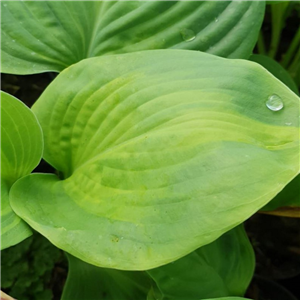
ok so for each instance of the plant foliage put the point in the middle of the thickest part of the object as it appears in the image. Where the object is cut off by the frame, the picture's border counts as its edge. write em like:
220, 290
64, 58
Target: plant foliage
163, 136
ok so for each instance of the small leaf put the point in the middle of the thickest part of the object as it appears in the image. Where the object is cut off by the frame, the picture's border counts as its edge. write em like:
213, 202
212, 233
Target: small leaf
224, 268
21, 151
40, 36
154, 148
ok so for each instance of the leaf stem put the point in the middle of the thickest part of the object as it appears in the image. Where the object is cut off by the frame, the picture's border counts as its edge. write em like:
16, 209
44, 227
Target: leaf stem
277, 22
261, 46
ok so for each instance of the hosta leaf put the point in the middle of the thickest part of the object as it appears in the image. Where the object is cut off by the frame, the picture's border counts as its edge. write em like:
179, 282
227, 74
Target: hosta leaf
160, 152
219, 275
222, 268
276, 69
87, 282
21, 151
290, 195
39, 36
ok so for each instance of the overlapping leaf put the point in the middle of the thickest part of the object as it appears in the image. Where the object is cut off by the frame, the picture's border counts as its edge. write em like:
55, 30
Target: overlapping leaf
222, 268
206, 272
21, 151
88, 282
39, 36
160, 152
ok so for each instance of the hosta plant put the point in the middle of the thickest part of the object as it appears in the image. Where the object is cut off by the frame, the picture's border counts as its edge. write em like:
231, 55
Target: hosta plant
160, 151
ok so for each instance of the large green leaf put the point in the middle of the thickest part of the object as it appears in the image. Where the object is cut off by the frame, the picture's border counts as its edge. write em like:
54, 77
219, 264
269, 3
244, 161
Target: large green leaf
276, 69
87, 282
218, 274
160, 152
222, 268
290, 195
21, 151
39, 36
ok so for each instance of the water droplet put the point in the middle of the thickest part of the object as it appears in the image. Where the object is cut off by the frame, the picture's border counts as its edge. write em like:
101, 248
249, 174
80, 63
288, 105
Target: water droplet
13, 41
32, 53
274, 103
288, 123
216, 20
4, 5
188, 35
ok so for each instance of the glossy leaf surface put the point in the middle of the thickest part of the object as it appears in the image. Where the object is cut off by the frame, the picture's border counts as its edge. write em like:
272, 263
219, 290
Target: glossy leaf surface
21, 151
276, 69
39, 36
157, 147
88, 282
290, 195
222, 268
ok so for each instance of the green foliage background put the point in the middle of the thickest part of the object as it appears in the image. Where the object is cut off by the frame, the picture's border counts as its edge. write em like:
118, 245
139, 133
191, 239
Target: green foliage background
26, 269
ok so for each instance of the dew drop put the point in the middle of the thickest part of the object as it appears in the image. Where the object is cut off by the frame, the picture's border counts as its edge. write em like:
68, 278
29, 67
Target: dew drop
216, 20
4, 5
13, 41
32, 53
188, 35
274, 103
288, 123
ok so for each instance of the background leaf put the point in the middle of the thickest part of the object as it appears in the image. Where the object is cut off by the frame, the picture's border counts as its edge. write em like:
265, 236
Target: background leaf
21, 151
27, 269
159, 147
289, 196
222, 268
39, 36
281, 1
88, 282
